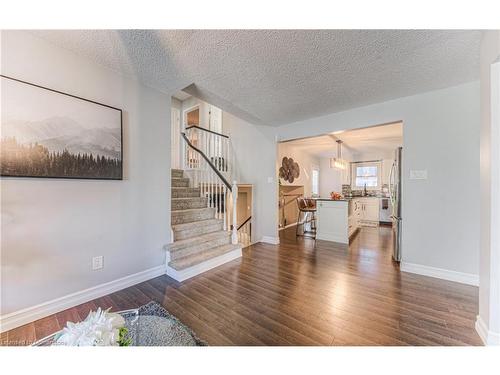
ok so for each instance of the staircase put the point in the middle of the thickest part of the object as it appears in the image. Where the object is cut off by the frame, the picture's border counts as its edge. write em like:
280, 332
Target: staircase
200, 239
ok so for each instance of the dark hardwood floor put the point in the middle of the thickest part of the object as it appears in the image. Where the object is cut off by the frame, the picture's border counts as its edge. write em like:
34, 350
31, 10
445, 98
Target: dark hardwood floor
301, 293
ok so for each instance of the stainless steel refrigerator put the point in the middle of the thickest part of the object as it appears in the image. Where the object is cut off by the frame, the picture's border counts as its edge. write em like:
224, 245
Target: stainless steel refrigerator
395, 195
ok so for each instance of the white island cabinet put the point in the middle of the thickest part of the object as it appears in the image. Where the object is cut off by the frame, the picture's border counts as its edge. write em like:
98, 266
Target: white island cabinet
337, 221
332, 220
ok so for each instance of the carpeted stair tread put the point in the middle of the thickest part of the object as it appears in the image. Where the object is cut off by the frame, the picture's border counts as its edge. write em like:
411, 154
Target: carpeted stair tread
180, 182
185, 192
192, 215
219, 238
184, 203
177, 173
207, 237
184, 226
196, 228
192, 260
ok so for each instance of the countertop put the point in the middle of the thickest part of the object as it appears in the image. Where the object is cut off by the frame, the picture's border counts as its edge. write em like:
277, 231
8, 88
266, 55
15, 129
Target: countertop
333, 200
347, 199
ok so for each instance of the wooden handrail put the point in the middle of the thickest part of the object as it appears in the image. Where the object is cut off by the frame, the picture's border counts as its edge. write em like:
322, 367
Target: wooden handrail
214, 168
246, 221
206, 130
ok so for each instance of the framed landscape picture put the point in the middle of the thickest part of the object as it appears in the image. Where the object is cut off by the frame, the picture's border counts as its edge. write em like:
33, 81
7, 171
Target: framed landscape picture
47, 133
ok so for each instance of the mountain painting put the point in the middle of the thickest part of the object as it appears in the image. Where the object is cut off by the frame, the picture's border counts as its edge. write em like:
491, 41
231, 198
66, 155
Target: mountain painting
46, 133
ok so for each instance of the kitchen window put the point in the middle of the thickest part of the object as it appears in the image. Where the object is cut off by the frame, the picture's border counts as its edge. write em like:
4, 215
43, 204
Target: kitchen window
315, 182
366, 174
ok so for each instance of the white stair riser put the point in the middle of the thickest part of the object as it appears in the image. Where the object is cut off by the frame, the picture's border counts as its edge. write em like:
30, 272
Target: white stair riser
193, 202
186, 193
198, 248
180, 182
196, 231
204, 266
179, 245
181, 217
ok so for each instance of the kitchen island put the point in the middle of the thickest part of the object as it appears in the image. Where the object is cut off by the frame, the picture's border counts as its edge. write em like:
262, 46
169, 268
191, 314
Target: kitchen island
332, 218
339, 220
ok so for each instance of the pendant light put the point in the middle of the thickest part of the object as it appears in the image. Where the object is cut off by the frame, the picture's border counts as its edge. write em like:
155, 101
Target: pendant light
338, 162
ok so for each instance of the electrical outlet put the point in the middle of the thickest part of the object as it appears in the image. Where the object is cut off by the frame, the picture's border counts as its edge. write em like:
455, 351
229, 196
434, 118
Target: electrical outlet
97, 262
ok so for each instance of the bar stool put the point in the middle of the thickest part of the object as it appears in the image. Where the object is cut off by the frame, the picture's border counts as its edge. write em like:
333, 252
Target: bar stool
307, 214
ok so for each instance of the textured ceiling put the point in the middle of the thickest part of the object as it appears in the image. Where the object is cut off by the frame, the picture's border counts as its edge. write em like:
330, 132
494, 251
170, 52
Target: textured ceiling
377, 141
275, 77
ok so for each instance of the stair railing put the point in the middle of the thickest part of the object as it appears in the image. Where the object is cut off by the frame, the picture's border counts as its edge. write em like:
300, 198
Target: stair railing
206, 169
245, 231
216, 146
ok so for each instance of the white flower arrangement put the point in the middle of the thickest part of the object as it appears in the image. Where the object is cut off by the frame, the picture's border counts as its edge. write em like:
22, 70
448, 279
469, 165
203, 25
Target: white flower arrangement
100, 328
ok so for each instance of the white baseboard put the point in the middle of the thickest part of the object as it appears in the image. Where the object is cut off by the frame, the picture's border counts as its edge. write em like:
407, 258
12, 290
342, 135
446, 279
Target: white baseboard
30, 314
440, 273
488, 337
271, 240
204, 266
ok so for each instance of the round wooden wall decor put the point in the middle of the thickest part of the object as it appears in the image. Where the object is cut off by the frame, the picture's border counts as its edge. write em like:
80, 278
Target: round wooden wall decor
289, 169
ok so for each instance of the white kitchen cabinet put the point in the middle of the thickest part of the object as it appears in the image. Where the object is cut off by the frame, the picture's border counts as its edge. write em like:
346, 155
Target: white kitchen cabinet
354, 216
370, 211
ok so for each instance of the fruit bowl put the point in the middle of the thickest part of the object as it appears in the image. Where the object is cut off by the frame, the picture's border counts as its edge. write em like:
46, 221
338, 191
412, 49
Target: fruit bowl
335, 196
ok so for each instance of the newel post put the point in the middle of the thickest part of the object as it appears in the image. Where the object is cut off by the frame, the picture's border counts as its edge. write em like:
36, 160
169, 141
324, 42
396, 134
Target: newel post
234, 194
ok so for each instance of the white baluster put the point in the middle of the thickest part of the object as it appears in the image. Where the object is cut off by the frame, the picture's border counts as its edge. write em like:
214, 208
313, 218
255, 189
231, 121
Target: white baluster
223, 152
194, 142
206, 165
203, 163
226, 158
188, 154
186, 151
234, 193
194, 154
210, 189
198, 139
227, 209
224, 195
211, 138
228, 150
218, 199
216, 145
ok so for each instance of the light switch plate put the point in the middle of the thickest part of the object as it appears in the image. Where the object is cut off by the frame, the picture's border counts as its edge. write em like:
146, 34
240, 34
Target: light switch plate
270, 180
420, 174
97, 262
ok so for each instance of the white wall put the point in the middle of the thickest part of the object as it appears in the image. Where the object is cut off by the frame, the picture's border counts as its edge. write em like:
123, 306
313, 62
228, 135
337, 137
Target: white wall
51, 228
256, 152
489, 288
176, 103
440, 134
330, 179
306, 161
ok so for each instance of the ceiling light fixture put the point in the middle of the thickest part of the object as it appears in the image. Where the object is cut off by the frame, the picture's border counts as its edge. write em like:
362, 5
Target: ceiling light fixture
338, 162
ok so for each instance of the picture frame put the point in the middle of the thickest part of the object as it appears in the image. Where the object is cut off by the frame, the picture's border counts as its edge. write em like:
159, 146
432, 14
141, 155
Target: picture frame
47, 133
